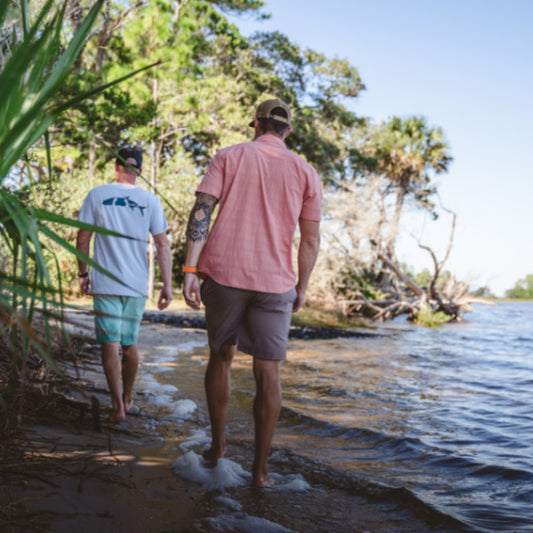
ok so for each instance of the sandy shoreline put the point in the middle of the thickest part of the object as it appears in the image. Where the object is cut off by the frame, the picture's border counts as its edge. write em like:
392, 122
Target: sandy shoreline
63, 473
68, 474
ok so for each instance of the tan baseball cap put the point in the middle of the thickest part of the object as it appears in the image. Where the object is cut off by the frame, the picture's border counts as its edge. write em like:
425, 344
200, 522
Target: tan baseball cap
274, 108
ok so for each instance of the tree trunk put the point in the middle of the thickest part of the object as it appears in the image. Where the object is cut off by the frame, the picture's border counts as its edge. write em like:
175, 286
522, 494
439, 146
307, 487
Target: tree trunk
153, 176
395, 224
151, 246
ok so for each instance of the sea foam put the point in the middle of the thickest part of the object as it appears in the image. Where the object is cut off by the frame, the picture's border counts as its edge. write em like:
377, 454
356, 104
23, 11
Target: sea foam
184, 409
199, 437
231, 504
244, 523
149, 383
291, 483
225, 474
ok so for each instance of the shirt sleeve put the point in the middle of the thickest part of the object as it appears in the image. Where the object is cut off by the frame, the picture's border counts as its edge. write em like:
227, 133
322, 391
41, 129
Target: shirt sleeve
213, 181
86, 213
311, 208
158, 222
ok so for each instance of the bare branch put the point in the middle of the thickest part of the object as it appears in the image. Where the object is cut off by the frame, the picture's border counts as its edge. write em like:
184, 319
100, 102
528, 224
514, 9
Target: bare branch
417, 291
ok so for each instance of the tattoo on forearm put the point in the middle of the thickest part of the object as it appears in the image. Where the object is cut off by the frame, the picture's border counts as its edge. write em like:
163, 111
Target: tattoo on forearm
198, 226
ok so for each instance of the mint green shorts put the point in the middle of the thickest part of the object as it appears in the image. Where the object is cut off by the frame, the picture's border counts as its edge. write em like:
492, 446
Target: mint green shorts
118, 318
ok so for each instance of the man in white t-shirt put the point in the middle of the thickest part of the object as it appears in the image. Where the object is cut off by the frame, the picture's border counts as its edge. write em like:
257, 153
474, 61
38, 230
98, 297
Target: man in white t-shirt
119, 301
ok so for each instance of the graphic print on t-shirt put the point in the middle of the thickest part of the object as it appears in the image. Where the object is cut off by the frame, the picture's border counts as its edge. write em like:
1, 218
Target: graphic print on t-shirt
124, 201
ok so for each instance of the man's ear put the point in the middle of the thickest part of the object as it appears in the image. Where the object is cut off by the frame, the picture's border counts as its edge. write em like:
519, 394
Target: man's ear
287, 133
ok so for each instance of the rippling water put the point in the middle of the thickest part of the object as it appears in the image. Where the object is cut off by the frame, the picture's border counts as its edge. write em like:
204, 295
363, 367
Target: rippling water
445, 415
446, 412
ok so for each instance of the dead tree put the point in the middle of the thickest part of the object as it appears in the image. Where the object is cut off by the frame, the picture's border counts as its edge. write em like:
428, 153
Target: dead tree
452, 298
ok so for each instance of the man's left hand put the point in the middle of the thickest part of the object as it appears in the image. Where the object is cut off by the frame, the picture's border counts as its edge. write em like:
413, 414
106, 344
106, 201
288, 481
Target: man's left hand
85, 285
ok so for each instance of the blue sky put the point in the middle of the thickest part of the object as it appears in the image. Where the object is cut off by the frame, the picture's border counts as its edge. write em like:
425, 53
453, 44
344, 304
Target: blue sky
467, 66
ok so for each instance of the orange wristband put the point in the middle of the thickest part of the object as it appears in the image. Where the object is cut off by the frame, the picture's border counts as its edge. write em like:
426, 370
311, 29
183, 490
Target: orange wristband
191, 269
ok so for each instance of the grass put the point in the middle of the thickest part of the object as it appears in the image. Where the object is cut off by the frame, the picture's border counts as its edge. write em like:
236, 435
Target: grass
318, 318
431, 319
513, 300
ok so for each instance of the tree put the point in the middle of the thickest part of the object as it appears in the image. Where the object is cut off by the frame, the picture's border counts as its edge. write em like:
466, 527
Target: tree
200, 97
408, 152
483, 292
523, 289
163, 112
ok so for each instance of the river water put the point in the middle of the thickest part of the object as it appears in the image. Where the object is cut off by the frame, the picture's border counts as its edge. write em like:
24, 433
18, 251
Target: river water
429, 429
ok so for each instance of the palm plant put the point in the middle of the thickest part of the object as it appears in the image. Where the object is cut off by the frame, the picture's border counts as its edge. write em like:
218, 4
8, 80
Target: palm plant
409, 151
38, 64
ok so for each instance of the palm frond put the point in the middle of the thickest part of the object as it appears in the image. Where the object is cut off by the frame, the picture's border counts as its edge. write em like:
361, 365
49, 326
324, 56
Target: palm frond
30, 80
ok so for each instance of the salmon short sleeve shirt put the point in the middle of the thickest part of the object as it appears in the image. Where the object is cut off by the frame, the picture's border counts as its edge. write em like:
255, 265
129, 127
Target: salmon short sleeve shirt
263, 189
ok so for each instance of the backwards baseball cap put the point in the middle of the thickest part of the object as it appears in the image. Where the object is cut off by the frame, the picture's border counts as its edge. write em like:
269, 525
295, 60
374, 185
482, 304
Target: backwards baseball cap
275, 109
130, 153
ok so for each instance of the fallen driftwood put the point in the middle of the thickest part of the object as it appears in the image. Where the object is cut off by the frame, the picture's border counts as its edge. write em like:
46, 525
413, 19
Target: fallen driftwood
452, 298
404, 296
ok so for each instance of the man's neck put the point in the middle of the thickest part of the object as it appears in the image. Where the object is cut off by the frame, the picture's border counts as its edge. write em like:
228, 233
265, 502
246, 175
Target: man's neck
127, 179
272, 134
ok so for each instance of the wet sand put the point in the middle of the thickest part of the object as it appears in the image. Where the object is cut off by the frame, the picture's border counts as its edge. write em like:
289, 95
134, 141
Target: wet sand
72, 472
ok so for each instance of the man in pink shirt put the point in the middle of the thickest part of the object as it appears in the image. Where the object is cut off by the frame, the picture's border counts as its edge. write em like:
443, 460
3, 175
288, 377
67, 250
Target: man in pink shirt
250, 289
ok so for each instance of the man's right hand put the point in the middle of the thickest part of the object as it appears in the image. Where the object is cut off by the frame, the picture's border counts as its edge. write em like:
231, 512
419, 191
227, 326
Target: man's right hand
300, 298
165, 297
191, 290
85, 285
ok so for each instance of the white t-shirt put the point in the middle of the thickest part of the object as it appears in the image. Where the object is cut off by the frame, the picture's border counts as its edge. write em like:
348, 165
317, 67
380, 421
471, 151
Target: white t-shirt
131, 211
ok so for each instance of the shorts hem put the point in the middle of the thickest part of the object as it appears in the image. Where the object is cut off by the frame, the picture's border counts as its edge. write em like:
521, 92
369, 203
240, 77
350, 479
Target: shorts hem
101, 340
262, 356
126, 344
266, 358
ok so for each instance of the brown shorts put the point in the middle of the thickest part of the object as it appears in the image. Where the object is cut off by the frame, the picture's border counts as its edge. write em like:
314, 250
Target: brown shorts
257, 322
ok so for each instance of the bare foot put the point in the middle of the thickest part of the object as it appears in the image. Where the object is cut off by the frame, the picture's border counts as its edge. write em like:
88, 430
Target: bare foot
212, 455
262, 482
117, 417
260, 477
128, 404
